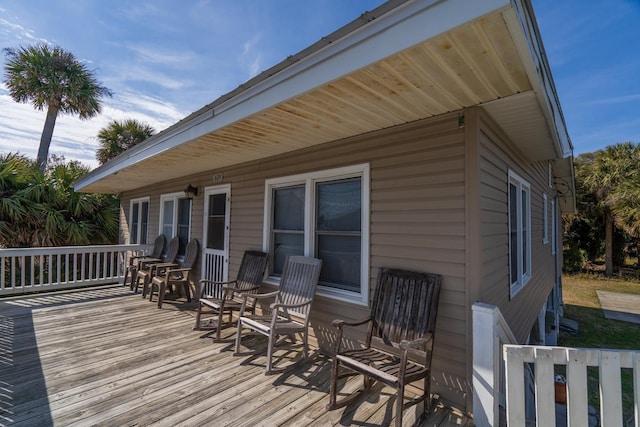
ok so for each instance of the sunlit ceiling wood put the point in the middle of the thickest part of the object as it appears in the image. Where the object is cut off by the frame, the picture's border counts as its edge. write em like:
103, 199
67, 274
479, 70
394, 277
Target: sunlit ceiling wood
470, 65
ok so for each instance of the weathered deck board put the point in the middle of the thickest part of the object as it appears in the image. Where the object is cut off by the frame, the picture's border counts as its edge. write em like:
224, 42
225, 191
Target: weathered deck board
104, 356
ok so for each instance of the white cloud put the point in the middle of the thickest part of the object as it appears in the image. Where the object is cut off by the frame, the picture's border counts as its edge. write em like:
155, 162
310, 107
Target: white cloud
19, 33
75, 139
157, 55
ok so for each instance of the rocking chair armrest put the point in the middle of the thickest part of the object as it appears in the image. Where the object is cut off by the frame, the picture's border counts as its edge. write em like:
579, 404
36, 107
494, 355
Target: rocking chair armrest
216, 282
417, 343
165, 265
177, 270
339, 323
275, 306
245, 296
203, 282
273, 294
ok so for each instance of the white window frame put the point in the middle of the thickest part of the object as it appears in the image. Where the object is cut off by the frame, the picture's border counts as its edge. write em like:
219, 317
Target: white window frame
174, 226
309, 180
545, 219
139, 201
523, 274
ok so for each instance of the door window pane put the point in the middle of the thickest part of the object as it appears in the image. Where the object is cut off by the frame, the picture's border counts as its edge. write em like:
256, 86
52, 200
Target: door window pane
216, 221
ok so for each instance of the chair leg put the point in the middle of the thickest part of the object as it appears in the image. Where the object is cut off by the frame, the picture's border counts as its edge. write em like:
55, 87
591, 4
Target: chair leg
272, 339
134, 274
187, 291
145, 286
219, 325
333, 387
238, 337
198, 315
126, 275
305, 343
162, 288
399, 405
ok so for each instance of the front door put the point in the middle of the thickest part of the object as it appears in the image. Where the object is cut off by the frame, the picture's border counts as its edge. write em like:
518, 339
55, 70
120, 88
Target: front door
215, 254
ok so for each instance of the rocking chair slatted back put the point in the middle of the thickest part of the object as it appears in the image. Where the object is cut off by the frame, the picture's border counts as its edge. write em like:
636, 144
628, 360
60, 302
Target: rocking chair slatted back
298, 283
405, 306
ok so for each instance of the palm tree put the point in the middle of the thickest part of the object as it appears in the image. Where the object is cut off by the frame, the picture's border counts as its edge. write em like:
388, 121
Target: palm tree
52, 78
39, 209
607, 174
119, 136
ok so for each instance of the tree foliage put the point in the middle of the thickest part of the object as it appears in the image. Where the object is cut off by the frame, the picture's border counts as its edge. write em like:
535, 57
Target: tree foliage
119, 136
54, 79
608, 205
42, 209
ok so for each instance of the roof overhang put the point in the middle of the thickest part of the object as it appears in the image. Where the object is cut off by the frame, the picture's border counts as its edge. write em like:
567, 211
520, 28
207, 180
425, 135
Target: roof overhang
402, 62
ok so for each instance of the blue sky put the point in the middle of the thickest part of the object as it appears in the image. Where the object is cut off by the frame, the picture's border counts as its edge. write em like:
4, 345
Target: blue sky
164, 59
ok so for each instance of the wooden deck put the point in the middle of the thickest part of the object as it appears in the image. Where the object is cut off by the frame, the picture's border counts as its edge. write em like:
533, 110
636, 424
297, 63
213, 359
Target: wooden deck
105, 356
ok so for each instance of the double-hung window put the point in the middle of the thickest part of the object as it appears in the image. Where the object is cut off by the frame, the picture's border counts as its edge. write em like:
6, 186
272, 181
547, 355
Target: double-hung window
139, 221
325, 215
519, 232
175, 218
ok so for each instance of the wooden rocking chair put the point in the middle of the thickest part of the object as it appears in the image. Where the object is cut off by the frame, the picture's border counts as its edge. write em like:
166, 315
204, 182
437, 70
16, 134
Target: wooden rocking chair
175, 276
224, 297
291, 309
147, 268
136, 261
399, 341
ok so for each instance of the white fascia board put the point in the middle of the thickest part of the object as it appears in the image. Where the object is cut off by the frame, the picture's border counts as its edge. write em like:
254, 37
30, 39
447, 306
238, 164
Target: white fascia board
527, 38
408, 24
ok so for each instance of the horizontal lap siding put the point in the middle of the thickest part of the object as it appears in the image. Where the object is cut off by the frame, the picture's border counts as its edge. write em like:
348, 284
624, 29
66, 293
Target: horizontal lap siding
497, 157
416, 221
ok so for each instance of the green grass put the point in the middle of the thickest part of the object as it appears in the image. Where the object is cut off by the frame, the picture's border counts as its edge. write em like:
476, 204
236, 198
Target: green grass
581, 303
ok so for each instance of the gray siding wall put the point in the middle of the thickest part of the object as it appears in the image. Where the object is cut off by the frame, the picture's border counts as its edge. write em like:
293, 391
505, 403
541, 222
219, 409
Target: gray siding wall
497, 157
417, 221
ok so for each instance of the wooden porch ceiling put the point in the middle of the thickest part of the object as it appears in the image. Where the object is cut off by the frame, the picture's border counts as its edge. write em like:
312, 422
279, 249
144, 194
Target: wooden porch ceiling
478, 63
107, 357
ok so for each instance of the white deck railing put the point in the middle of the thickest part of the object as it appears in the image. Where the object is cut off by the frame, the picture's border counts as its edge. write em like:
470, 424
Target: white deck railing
609, 364
39, 269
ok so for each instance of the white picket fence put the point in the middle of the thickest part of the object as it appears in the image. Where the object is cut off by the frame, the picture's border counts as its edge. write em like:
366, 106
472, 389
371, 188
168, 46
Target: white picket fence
544, 359
39, 269
515, 383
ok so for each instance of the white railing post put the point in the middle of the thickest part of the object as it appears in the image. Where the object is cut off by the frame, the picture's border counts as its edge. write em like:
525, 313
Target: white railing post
490, 331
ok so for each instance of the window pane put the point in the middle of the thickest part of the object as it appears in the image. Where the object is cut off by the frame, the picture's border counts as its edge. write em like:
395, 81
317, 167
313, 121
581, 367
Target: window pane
340, 261
134, 223
339, 205
144, 223
286, 244
525, 232
288, 208
513, 232
184, 219
216, 221
167, 221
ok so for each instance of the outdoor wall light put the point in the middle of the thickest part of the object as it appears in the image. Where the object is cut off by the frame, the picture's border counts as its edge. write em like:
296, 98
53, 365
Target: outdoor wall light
190, 192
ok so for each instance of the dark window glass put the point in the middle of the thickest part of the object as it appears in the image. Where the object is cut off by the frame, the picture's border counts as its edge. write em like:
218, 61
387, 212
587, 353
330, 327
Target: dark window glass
288, 225
216, 221
338, 232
